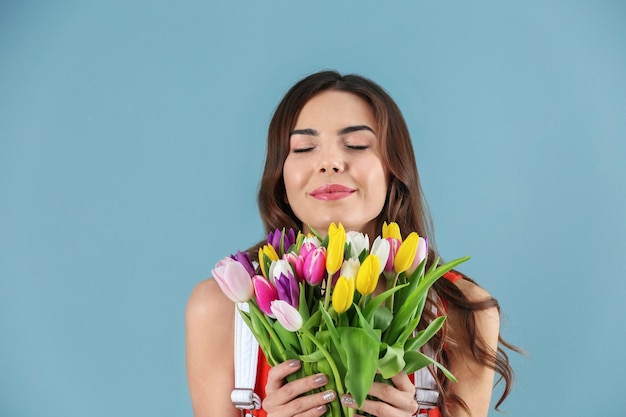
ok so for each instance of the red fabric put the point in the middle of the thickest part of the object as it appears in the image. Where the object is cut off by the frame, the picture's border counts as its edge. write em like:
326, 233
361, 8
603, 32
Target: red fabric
263, 367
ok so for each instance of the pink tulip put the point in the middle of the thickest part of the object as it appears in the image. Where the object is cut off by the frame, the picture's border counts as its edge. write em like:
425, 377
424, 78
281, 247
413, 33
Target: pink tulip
297, 264
233, 279
287, 315
266, 293
315, 266
394, 245
307, 247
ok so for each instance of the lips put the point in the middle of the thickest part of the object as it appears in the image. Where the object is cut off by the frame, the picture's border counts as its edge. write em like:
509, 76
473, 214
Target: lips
332, 192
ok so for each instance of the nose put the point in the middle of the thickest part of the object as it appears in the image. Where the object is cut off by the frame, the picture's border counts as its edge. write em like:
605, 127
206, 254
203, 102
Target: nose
332, 163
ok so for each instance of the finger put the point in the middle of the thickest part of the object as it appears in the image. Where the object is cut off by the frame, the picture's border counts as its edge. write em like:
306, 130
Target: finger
375, 408
312, 405
278, 373
288, 392
403, 400
402, 382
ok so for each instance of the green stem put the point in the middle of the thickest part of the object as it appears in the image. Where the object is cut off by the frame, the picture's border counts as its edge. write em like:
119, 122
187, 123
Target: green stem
329, 282
331, 363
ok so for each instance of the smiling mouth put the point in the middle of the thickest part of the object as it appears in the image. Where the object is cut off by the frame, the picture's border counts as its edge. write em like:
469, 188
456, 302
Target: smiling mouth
332, 192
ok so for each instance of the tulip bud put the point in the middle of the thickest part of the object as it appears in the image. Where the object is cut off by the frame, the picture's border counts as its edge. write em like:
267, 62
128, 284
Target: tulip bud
244, 259
406, 253
367, 277
343, 294
420, 255
394, 245
350, 268
336, 245
265, 293
314, 266
358, 243
233, 279
287, 315
288, 288
267, 254
381, 249
391, 230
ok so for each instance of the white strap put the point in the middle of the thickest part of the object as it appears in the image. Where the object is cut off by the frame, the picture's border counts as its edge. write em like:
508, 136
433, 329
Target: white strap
246, 358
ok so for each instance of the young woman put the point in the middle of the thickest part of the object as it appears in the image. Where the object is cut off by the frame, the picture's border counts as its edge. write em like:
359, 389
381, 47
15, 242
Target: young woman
339, 151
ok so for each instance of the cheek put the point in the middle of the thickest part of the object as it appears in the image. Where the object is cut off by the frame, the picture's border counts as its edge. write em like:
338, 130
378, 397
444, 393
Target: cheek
292, 178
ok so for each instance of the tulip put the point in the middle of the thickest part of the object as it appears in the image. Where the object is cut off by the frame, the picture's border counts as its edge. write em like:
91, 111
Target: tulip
265, 293
343, 294
406, 253
336, 245
381, 249
420, 255
314, 266
391, 230
307, 247
358, 243
277, 236
287, 286
367, 277
233, 279
286, 315
244, 259
267, 254
297, 264
394, 245
350, 268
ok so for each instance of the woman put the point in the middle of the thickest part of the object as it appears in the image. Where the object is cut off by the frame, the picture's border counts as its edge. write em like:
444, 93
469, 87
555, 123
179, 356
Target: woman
339, 151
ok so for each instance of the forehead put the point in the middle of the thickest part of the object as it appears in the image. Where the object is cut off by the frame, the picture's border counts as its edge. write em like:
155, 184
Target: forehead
336, 107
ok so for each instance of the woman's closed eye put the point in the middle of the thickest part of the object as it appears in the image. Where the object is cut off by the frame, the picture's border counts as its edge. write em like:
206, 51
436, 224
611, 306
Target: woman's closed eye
357, 147
302, 149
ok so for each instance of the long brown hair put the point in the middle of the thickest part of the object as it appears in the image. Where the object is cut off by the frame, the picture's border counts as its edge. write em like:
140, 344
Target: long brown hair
404, 205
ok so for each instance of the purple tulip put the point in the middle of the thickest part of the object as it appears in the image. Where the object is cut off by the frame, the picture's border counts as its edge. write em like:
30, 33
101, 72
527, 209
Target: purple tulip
287, 285
244, 259
287, 315
265, 294
233, 279
314, 267
289, 238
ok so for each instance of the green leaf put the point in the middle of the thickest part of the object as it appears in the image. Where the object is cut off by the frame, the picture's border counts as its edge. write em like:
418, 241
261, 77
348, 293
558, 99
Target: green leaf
314, 356
365, 325
374, 303
416, 360
392, 361
425, 335
289, 339
334, 334
362, 353
382, 318
408, 331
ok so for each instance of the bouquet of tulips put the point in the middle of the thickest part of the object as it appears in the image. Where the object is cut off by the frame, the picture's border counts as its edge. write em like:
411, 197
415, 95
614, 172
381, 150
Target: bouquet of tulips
313, 299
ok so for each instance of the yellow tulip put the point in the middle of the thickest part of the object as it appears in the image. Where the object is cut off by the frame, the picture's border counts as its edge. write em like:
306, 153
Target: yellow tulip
367, 277
336, 245
269, 251
391, 230
406, 253
343, 294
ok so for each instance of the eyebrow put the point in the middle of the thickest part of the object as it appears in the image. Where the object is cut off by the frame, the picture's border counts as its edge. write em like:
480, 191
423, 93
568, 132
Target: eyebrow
344, 131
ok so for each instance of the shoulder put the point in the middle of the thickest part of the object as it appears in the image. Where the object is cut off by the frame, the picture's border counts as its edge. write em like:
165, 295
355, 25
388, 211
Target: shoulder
208, 302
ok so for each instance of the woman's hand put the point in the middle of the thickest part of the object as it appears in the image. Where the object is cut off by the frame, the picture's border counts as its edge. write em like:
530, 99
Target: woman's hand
286, 400
397, 400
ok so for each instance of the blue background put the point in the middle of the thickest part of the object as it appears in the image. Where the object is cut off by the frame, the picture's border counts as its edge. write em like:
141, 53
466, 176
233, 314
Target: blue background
132, 140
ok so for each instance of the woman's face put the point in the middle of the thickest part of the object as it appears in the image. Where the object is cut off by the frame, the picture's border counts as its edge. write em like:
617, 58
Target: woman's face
333, 172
